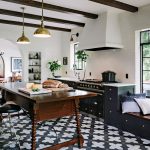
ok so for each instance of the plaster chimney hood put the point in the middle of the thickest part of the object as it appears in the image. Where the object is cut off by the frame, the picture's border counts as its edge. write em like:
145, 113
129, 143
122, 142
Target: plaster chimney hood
102, 33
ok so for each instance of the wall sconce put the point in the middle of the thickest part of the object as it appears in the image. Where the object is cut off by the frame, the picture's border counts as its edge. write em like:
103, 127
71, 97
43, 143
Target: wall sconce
71, 39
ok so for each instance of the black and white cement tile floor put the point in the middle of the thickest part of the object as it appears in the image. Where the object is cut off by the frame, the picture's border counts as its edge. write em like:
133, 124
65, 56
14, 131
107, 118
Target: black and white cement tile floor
97, 135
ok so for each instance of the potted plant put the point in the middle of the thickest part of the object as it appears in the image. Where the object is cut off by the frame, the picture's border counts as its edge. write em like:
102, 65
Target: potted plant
54, 66
82, 56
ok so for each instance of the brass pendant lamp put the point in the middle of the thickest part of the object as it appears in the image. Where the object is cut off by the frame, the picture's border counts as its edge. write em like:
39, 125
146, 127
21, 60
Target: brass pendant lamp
23, 39
42, 32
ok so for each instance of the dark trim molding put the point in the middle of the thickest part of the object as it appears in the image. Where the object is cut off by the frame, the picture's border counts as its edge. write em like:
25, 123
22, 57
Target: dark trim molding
117, 4
47, 6
33, 25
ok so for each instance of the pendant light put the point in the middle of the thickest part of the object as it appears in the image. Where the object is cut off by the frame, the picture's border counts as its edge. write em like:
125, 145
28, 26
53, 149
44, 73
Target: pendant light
42, 32
23, 39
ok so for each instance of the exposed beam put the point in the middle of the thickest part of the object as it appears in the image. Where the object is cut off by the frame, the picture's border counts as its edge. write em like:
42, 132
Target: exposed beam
31, 16
53, 8
117, 4
33, 25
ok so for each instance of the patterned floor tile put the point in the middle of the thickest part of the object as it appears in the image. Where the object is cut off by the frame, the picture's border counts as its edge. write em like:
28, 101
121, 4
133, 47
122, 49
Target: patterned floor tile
97, 135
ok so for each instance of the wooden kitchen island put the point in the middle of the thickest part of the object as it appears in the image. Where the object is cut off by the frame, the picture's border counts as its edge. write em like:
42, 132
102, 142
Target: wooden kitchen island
47, 106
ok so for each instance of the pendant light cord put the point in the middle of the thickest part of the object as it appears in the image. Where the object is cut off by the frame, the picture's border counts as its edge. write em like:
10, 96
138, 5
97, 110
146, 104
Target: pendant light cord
42, 24
23, 21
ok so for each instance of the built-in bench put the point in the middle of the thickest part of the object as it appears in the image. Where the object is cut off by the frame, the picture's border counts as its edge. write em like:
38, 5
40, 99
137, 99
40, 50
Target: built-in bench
135, 123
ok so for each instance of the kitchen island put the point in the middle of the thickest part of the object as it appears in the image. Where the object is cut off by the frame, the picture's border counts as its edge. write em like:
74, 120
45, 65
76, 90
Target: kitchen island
47, 106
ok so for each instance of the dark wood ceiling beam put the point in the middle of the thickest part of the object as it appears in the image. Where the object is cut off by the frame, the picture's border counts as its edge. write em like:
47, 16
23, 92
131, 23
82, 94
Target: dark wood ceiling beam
117, 4
31, 16
33, 25
53, 8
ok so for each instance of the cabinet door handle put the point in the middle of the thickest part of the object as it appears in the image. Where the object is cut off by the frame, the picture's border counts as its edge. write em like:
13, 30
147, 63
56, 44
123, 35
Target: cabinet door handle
95, 103
110, 89
110, 98
110, 111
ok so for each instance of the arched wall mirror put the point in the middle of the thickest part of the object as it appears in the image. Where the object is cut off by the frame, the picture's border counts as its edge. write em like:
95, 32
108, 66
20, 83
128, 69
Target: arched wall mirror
2, 67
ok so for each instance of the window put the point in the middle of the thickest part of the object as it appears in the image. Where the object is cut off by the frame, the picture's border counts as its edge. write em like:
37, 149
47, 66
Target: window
74, 62
78, 63
145, 60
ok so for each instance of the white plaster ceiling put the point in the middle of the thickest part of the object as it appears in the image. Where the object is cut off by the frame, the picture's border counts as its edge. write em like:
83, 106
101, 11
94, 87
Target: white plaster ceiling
83, 5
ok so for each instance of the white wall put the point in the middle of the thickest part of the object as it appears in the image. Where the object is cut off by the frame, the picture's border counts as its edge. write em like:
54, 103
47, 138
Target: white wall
120, 61
50, 48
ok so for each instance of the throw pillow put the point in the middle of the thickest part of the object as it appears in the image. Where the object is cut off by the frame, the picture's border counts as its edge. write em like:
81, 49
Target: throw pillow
129, 104
144, 104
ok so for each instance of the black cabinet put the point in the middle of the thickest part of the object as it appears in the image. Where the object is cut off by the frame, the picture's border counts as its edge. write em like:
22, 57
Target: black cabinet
93, 105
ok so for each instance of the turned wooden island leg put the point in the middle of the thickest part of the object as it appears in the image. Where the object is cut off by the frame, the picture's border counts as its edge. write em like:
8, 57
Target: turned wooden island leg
33, 138
80, 137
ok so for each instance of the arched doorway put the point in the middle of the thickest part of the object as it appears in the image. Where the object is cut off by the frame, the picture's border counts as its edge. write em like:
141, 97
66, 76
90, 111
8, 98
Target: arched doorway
10, 50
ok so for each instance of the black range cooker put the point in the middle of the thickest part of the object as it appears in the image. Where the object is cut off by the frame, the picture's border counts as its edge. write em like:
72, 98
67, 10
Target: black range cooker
93, 105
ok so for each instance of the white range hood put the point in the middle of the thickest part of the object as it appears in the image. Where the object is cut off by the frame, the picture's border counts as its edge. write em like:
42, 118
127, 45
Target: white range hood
102, 33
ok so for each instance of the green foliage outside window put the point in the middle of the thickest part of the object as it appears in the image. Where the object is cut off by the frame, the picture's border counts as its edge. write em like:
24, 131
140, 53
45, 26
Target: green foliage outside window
145, 37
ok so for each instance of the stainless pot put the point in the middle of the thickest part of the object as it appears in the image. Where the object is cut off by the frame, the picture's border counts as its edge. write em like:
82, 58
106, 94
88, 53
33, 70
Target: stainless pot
108, 76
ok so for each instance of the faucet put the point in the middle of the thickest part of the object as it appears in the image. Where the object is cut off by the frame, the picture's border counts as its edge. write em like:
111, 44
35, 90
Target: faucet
74, 68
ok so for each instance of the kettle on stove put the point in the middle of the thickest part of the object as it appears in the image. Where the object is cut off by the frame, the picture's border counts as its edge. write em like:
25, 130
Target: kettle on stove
108, 76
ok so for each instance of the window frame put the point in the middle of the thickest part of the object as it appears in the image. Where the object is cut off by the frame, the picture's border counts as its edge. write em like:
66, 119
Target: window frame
142, 58
77, 62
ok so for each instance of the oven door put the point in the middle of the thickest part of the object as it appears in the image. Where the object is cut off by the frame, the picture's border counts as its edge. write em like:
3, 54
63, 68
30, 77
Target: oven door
93, 105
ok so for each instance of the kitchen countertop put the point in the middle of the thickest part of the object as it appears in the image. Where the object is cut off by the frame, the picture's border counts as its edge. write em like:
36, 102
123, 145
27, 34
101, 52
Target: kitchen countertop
119, 84
67, 79
105, 84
